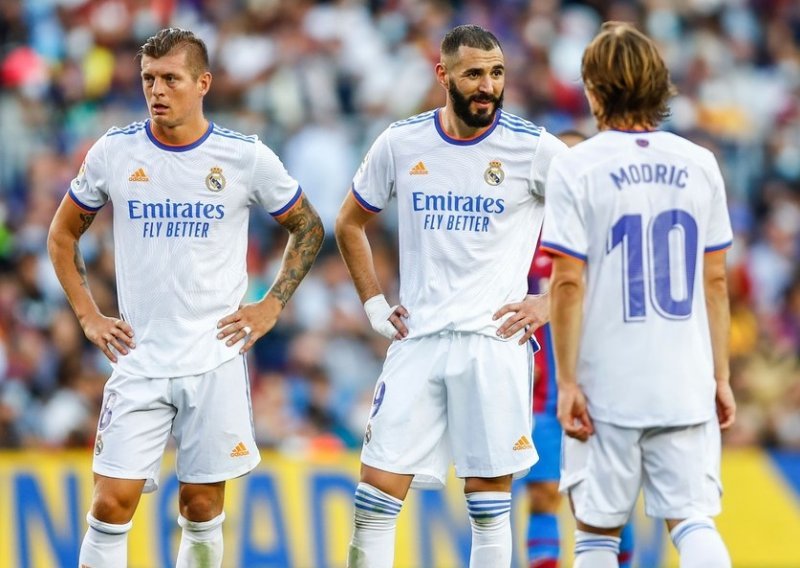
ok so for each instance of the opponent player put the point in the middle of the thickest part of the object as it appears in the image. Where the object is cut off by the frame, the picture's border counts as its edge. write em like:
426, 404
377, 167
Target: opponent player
638, 222
182, 188
544, 535
469, 181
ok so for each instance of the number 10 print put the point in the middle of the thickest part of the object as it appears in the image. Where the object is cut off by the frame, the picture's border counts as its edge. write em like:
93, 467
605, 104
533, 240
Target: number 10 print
671, 246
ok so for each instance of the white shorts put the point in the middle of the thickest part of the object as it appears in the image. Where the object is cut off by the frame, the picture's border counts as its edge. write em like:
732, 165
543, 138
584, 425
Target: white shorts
677, 467
452, 397
209, 415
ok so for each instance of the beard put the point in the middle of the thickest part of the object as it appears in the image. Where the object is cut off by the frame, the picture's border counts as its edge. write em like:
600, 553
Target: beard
474, 119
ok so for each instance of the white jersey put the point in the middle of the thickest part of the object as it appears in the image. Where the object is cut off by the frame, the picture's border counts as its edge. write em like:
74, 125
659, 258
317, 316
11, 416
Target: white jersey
470, 212
180, 236
641, 209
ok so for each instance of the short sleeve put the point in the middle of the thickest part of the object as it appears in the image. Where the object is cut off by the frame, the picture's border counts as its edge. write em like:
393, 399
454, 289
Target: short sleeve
720, 233
272, 187
374, 180
89, 189
564, 230
549, 147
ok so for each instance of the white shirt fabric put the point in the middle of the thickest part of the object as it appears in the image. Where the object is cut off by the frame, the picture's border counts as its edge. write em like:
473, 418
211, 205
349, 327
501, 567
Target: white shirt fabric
641, 209
469, 212
180, 236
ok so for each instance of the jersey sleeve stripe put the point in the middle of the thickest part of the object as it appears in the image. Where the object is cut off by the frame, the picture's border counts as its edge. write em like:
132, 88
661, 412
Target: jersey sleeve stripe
520, 129
364, 203
563, 251
82, 205
290, 204
513, 119
414, 119
717, 248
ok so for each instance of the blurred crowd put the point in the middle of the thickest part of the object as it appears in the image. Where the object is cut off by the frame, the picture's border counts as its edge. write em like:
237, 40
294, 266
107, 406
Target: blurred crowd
317, 81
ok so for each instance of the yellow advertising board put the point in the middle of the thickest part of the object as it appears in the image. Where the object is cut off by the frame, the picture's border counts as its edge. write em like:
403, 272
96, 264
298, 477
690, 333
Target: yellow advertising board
296, 513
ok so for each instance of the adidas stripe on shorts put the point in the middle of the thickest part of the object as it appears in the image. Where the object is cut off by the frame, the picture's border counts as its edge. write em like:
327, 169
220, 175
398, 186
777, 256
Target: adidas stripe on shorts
452, 397
209, 415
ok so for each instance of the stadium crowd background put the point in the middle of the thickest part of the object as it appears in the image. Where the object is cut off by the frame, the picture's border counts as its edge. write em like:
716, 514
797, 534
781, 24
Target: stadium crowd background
317, 81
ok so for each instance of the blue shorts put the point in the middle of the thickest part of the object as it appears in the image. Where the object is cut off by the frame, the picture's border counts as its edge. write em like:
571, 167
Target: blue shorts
547, 441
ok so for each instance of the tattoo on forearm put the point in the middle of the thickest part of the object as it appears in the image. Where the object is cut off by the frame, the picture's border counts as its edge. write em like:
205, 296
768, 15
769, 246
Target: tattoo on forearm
86, 222
304, 243
80, 266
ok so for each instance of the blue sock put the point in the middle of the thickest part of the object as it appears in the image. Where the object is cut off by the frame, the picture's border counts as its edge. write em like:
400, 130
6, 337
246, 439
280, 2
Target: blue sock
626, 546
544, 541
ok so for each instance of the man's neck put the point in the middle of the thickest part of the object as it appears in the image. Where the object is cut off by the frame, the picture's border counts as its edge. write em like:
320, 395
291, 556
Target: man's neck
181, 135
626, 126
454, 127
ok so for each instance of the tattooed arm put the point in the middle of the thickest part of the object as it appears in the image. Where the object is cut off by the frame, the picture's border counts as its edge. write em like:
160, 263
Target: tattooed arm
305, 239
69, 223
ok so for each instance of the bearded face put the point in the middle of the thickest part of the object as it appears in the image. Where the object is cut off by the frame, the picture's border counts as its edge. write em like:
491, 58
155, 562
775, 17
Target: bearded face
486, 106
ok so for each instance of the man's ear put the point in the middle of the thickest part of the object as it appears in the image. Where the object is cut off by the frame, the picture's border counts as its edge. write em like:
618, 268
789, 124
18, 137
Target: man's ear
204, 83
441, 75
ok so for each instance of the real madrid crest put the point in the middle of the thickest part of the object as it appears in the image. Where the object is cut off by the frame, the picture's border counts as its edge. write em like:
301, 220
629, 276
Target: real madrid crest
494, 174
98, 445
215, 181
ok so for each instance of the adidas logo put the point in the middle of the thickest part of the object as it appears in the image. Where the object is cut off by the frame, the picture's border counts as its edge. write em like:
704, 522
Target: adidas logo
523, 444
139, 175
240, 450
419, 170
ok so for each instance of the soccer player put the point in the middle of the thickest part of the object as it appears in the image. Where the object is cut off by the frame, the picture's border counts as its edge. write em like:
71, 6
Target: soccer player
638, 223
182, 188
469, 182
544, 499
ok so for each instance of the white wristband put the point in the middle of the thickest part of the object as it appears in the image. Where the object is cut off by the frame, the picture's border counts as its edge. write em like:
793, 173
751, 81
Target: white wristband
378, 311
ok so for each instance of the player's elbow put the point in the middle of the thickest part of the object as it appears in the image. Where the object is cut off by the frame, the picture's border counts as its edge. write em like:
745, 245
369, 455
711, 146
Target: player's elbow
566, 289
715, 282
344, 227
58, 241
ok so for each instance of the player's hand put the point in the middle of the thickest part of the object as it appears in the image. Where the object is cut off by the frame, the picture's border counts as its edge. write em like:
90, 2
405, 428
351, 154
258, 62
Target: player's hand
250, 322
726, 405
385, 319
106, 332
529, 314
573, 413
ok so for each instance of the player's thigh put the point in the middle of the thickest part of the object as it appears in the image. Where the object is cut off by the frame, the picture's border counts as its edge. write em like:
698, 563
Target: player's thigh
547, 434
214, 424
406, 429
682, 471
602, 475
133, 429
489, 393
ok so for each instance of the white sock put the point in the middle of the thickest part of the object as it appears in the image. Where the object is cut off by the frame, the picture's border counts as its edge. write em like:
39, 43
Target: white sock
699, 544
490, 518
104, 545
201, 543
374, 525
595, 550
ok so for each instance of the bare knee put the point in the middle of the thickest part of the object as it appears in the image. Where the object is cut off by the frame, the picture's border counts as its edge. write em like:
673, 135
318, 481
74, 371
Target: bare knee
613, 531
114, 500
476, 484
201, 502
394, 484
543, 497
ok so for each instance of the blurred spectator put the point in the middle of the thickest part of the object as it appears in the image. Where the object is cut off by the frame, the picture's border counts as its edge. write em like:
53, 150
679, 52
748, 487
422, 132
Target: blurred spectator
317, 80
